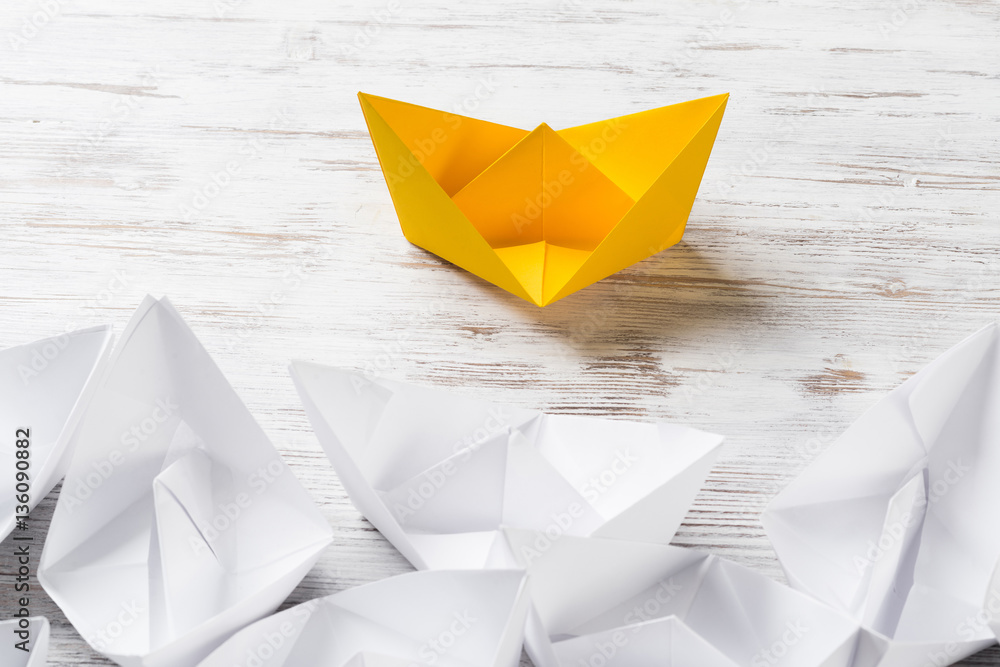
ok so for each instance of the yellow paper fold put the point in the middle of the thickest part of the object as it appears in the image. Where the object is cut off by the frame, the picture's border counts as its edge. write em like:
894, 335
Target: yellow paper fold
543, 213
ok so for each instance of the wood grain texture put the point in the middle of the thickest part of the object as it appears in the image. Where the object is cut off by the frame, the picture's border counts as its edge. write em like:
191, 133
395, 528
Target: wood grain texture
845, 233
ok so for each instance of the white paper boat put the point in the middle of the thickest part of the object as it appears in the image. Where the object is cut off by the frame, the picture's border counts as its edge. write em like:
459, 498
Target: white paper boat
898, 522
602, 602
44, 388
178, 523
37, 638
461, 618
439, 474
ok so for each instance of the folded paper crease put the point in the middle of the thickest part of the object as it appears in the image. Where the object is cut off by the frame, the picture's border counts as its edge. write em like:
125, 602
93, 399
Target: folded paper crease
892, 524
638, 603
28, 650
178, 522
543, 213
448, 618
439, 475
45, 387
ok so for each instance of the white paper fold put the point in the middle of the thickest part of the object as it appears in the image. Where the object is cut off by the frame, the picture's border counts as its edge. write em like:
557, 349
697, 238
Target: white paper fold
898, 522
37, 643
439, 474
991, 605
44, 387
443, 618
602, 602
178, 522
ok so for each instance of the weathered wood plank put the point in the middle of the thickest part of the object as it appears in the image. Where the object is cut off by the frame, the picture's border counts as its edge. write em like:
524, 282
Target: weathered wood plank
846, 232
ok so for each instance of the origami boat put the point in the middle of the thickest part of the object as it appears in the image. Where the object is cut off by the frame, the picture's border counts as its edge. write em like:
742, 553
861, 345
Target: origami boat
439, 474
178, 522
442, 618
543, 213
45, 386
37, 631
599, 602
897, 523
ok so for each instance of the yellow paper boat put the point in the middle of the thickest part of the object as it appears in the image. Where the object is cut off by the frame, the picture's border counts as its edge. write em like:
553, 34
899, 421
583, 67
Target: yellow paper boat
543, 213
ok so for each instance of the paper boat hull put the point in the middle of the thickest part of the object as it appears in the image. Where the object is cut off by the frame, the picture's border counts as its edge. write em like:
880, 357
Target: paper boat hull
545, 213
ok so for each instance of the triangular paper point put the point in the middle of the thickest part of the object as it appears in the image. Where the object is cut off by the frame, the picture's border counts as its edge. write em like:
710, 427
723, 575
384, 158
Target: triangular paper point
597, 197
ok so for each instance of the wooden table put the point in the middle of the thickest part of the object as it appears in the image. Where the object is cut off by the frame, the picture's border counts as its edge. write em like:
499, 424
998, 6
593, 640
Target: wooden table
213, 151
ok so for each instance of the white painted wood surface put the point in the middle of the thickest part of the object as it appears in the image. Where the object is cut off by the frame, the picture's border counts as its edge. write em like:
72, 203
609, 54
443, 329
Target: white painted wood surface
845, 234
